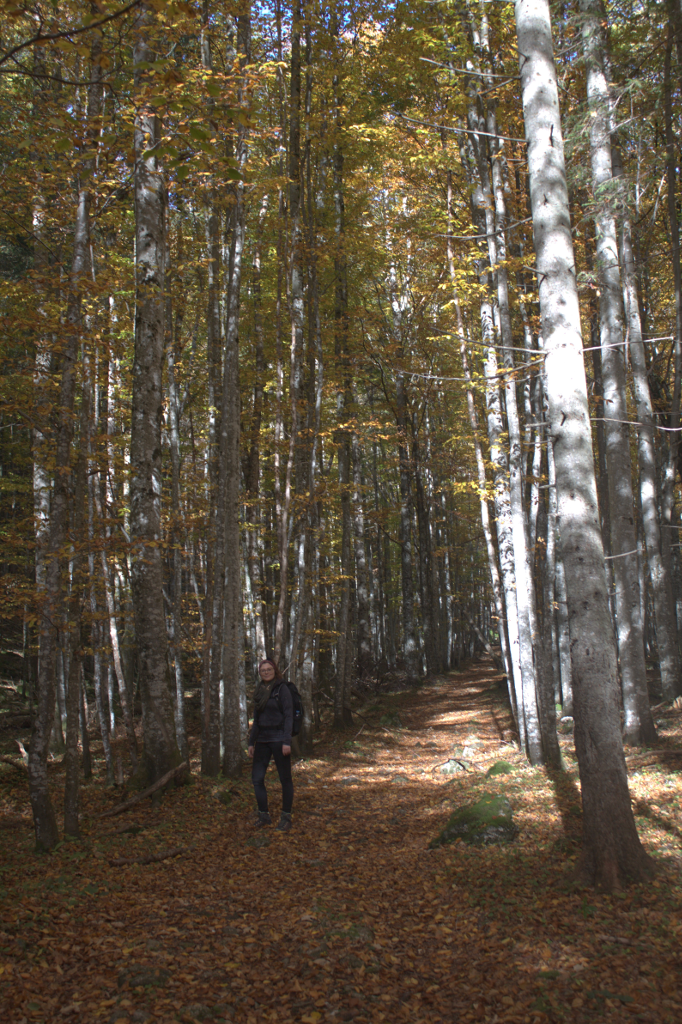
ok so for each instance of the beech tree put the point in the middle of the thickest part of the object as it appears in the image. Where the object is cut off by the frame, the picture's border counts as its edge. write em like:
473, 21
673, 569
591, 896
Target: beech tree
151, 637
612, 852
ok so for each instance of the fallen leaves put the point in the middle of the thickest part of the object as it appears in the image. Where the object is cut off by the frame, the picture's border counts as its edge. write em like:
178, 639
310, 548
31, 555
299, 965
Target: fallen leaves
348, 917
150, 858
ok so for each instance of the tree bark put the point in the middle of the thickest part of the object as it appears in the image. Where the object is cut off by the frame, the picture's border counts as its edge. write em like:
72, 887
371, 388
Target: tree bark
669, 531
612, 852
504, 528
228, 619
659, 571
161, 752
174, 330
364, 636
531, 663
480, 465
639, 725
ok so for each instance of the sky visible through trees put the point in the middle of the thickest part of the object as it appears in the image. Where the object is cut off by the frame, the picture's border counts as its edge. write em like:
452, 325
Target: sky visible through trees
350, 335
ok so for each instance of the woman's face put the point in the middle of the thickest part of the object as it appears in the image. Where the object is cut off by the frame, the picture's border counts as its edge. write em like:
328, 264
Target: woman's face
267, 672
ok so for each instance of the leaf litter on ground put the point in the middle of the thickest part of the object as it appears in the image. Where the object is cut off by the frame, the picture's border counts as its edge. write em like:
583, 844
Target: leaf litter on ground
183, 916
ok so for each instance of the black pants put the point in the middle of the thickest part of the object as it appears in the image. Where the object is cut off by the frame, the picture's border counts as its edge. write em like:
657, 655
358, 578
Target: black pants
261, 759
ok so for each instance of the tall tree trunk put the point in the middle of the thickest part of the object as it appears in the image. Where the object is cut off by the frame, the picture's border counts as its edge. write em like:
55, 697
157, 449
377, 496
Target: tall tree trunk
75, 606
160, 747
365, 657
44, 819
531, 664
254, 531
344, 412
228, 571
210, 696
563, 632
639, 725
669, 531
504, 525
659, 569
174, 331
612, 852
410, 642
48, 529
429, 617
480, 465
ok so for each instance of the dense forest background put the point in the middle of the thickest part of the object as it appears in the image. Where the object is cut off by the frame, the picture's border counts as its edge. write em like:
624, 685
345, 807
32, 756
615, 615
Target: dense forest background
273, 373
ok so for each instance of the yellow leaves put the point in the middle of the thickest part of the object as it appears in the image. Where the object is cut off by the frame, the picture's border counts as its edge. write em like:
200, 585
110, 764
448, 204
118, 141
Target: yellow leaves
311, 1018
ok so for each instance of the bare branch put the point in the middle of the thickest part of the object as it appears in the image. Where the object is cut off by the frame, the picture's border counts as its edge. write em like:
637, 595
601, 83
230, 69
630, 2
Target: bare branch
40, 37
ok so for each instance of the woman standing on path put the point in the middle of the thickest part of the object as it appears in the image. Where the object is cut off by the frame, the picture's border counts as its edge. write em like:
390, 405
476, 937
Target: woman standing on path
270, 736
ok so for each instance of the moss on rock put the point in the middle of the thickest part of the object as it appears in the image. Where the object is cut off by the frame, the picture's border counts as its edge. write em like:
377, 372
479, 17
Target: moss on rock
489, 820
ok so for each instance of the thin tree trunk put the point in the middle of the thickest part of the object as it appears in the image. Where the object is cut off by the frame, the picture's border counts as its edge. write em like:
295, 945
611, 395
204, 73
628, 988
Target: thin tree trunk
410, 643
525, 584
504, 527
228, 617
669, 532
211, 721
161, 752
425, 559
72, 697
661, 586
480, 466
254, 531
76, 604
364, 634
174, 414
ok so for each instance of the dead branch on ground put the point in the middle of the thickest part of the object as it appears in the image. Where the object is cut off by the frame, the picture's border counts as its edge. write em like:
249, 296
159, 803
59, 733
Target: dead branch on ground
150, 858
159, 784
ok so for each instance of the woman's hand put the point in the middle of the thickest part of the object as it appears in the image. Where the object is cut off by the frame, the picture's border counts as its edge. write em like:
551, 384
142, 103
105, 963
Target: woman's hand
250, 751
286, 749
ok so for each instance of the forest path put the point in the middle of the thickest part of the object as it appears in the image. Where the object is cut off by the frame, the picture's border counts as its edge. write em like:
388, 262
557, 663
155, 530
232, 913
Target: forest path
350, 917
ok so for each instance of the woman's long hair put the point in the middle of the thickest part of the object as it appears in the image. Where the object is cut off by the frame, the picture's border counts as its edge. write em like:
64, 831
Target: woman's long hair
263, 689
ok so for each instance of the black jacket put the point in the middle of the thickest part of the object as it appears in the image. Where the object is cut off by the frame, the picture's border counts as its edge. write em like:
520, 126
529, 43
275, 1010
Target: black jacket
273, 723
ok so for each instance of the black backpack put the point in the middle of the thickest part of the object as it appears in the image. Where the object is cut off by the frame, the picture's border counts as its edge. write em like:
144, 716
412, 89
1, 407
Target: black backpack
299, 713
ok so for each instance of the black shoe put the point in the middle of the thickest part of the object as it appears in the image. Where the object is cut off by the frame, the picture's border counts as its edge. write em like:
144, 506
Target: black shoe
284, 822
263, 819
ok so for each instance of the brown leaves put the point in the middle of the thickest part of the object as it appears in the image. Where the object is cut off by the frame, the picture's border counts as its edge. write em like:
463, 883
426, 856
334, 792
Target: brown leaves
348, 917
151, 858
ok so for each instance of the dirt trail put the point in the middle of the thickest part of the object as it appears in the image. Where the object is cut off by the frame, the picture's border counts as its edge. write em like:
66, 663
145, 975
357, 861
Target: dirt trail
350, 917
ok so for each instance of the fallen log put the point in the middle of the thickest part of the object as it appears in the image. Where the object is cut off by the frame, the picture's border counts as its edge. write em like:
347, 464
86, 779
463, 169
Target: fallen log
150, 858
6, 759
159, 784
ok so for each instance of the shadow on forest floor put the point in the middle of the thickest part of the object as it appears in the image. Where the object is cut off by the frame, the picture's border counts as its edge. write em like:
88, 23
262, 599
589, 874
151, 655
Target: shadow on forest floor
350, 917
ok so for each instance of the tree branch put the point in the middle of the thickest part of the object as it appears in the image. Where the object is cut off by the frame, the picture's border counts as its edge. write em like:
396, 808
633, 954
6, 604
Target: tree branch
152, 858
159, 784
40, 38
